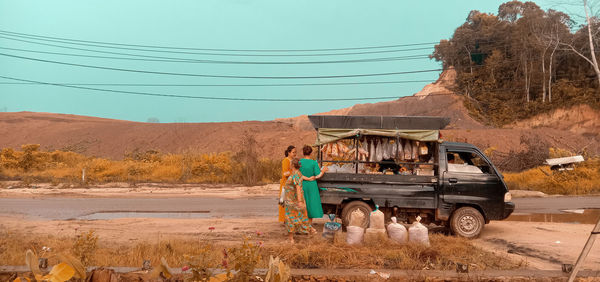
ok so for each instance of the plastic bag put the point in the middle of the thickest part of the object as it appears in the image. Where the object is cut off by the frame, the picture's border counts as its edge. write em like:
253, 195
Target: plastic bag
408, 150
400, 150
418, 233
376, 230
376, 219
423, 149
331, 227
362, 154
357, 218
328, 150
372, 150
378, 151
393, 149
385, 146
397, 232
363, 151
334, 150
415, 150
354, 235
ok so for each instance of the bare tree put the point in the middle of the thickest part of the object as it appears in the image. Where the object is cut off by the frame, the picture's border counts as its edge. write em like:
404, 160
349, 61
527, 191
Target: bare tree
590, 19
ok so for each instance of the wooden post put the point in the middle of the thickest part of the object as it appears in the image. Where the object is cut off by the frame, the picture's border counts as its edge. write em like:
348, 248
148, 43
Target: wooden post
585, 251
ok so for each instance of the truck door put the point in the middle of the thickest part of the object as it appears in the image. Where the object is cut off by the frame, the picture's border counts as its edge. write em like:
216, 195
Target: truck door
470, 179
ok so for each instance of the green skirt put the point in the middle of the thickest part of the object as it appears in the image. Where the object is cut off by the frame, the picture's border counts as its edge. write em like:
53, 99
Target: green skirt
313, 199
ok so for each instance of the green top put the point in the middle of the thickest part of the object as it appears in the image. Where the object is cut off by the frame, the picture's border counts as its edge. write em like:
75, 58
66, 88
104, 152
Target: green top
309, 167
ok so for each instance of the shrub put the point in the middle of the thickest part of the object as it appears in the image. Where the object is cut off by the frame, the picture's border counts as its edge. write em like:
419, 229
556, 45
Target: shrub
243, 167
584, 179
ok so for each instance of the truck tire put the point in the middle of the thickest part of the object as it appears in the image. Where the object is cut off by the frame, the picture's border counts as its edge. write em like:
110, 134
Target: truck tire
352, 206
467, 222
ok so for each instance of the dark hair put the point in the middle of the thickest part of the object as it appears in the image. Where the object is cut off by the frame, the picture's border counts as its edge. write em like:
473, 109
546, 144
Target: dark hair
296, 163
289, 149
307, 150
450, 157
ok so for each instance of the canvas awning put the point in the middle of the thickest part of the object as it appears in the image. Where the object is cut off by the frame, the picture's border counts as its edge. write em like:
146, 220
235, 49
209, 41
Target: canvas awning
379, 122
328, 135
333, 128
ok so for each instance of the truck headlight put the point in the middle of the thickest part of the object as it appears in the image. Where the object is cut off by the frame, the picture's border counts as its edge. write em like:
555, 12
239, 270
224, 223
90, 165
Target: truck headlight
507, 197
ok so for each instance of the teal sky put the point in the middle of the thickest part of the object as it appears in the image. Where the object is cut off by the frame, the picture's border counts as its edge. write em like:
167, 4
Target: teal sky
219, 24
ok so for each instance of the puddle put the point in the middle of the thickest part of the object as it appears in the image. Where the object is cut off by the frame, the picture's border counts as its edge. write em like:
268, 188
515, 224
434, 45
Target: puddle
583, 216
145, 214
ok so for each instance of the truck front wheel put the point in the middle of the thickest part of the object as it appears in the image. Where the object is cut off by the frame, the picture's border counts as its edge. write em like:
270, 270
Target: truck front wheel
356, 205
467, 222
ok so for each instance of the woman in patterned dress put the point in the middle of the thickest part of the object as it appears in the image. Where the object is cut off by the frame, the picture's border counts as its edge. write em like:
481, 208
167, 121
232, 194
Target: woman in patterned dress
286, 171
292, 197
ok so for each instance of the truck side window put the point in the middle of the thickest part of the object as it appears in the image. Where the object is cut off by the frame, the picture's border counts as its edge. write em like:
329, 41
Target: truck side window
467, 162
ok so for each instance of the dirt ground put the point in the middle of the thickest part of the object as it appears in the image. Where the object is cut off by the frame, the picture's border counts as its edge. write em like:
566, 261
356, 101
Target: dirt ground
542, 245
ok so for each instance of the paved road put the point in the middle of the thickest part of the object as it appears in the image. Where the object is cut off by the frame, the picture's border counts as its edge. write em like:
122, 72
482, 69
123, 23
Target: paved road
555, 204
56, 208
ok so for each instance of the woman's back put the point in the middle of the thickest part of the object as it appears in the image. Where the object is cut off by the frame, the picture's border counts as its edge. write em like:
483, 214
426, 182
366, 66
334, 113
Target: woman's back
309, 167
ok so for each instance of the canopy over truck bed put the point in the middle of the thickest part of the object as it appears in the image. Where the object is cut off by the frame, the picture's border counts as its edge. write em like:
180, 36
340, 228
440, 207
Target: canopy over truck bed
333, 128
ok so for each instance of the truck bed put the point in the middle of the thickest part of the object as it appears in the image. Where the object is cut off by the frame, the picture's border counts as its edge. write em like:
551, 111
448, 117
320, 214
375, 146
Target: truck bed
408, 191
377, 179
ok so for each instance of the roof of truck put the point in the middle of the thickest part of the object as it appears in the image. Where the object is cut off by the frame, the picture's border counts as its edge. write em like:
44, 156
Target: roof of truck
378, 122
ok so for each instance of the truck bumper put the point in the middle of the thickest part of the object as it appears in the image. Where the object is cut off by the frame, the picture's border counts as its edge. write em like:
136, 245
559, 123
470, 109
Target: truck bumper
509, 207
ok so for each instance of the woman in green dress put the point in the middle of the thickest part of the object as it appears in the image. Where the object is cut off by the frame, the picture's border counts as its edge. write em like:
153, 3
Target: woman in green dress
310, 169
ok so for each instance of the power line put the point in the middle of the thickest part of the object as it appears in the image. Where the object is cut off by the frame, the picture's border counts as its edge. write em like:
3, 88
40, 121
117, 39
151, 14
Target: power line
225, 85
186, 60
219, 54
214, 75
200, 97
216, 49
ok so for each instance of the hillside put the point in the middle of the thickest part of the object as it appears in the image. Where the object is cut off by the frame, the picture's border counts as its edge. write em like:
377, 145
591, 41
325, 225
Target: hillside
573, 129
114, 138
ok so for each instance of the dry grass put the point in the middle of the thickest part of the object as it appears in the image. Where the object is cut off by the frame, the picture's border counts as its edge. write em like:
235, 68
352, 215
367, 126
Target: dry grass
31, 165
585, 179
444, 253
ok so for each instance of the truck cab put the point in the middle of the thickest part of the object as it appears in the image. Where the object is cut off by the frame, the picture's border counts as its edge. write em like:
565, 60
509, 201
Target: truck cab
446, 183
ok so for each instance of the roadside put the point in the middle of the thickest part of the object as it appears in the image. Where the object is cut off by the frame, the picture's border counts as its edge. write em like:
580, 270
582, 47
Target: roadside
18, 189
541, 245
14, 189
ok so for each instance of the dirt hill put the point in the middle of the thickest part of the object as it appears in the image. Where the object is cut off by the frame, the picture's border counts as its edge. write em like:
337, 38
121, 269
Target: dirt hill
572, 129
114, 138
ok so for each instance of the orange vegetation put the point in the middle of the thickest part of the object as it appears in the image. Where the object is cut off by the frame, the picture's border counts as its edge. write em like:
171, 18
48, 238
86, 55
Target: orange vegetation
32, 165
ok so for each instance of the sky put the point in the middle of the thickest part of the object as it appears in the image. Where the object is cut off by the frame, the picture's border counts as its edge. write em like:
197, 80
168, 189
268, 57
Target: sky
258, 30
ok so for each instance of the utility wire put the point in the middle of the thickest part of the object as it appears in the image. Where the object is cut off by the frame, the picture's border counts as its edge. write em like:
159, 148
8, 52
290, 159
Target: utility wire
219, 54
226, 85
214, 75
216, 49
186, 60
200, 97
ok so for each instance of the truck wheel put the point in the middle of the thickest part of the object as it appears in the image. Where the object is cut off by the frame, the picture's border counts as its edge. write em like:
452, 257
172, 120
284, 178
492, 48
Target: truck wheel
467, 222
356, 205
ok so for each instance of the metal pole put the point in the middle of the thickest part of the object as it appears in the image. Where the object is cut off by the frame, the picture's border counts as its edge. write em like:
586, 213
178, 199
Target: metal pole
585, 251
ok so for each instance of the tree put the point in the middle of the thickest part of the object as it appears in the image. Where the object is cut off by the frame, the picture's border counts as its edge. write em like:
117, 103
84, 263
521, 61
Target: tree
514, 65
592, 22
